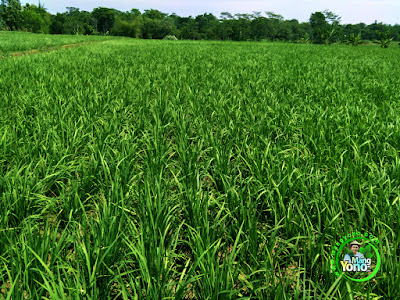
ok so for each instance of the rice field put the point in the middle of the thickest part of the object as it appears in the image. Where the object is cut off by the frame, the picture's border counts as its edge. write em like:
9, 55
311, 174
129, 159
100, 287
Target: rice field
144, 169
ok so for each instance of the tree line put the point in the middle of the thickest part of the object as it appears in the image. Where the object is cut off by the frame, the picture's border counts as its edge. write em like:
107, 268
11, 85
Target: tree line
322, 27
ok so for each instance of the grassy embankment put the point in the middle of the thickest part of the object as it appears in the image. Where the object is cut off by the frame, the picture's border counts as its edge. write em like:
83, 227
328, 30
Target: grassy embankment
19, 43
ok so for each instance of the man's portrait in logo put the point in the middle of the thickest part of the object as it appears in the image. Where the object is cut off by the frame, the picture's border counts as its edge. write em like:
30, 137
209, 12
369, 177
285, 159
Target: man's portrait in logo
354, 246
355, 261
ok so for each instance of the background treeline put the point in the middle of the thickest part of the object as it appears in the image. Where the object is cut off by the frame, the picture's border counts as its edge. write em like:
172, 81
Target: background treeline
322, 27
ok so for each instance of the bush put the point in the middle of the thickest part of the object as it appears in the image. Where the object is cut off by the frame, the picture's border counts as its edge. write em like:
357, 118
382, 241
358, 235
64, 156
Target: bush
171, 38
384, 39
353, 39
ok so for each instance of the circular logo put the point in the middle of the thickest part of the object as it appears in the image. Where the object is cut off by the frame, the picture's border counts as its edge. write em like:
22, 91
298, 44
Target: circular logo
354, 260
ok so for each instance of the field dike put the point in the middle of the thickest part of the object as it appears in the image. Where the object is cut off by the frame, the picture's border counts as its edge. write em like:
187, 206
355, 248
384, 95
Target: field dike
49, 49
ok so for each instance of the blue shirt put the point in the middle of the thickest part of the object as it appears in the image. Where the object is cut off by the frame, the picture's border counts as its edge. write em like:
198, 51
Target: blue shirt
358, 254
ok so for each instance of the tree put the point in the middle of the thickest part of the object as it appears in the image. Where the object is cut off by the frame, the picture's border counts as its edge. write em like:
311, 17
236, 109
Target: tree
297, 32
73, 21
258, 27
2, 21
189, 30
241, 27
275, 28
104, 18
35, 18
323, 27
127, 24
332, 18
274, 16
206, 26
134, 12
372, 30
319, 26
256, 14
131, 28
396, 32
332, 32
57, 23
157, 28
154, 14
226, 16
286, 31
11, 14
225, 31
210, 31
2, 24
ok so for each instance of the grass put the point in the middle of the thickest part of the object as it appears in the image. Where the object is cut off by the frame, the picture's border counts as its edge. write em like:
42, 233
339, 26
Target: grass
137, 169
17, 42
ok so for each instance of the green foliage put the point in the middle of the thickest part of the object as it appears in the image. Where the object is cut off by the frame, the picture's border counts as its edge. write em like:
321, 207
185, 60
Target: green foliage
207, 25
154, 14
35, 19
189, 30
324, 27
73, 21
154, 28
305, 39
353, 39
2, 21
2, 24
329, 36
130, 28
57, 23
170, 38
104, 19
319, 27
384, 39
135, 169
368, 252
11, 14
332, 18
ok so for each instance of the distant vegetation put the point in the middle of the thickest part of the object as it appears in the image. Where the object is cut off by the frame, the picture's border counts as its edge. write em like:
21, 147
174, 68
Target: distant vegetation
322, 28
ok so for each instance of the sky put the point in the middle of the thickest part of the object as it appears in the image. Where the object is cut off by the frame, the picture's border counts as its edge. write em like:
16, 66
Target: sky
351, 11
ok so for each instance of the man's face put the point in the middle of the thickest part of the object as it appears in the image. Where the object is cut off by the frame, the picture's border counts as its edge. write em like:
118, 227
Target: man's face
354, 248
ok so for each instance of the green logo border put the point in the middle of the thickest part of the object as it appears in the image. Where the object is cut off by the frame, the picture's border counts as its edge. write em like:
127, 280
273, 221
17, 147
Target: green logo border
378, 263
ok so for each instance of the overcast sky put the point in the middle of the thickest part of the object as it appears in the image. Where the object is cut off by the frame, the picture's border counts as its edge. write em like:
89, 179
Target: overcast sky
351, 11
